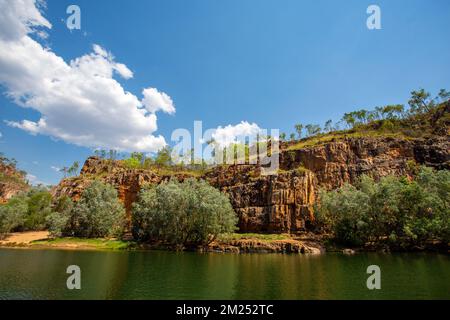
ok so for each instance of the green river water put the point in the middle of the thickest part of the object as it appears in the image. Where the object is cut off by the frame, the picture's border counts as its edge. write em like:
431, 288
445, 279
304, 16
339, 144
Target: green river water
41, 274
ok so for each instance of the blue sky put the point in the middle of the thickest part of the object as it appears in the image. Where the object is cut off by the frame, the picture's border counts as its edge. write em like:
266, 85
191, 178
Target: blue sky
274, 63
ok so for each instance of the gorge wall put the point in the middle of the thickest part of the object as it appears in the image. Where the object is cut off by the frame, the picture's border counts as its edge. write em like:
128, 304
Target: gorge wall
12, 182
282, 202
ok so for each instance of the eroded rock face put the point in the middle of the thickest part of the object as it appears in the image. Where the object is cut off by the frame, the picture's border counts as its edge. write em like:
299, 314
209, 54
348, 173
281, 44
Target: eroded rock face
339, 162
282, 202
11, 182
279, 203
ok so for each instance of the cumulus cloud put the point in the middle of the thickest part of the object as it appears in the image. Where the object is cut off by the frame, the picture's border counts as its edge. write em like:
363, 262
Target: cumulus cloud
80, 101
21, 17
154, 101
229, 134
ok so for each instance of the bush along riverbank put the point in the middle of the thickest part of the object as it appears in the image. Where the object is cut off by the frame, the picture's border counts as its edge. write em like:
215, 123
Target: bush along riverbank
381, 184
392, 214
189, 215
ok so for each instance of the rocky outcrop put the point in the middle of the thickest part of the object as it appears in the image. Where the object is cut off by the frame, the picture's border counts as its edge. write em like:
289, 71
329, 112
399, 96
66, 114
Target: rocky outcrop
278, 203
128, 182
258, 246
12, 182
338, 162
282, 202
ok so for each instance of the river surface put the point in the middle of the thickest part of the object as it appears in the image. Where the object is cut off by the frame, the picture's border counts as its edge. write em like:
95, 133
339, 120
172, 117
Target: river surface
41, 274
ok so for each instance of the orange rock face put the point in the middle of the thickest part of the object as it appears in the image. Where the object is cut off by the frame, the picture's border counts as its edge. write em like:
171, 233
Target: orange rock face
282, 202
11, 182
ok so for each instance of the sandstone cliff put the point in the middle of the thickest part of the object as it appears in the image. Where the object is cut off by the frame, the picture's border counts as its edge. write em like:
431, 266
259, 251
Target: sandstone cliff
282, 202
12, 181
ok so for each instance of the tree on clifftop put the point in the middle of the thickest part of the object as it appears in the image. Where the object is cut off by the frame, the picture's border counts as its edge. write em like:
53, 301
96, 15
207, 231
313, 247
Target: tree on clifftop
298, 129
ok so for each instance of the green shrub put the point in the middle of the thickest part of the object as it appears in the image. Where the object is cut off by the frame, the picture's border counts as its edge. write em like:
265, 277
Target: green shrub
26, 211
12, 214
132, 163
394, 210
97, 214
187, 213
58, 221
39, 202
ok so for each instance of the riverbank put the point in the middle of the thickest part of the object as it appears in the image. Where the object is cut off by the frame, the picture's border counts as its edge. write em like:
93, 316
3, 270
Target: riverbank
232, 243
307, 243
42, 240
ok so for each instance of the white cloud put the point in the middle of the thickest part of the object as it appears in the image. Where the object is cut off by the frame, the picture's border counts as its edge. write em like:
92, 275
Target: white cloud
80, 102
57, 169
123, 70
99, 50
19, 18
154, 101
224, 136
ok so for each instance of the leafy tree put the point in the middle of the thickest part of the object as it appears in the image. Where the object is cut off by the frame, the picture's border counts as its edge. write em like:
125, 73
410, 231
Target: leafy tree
98, 213
73, 169
139, 156
182, 213
39, 202
7, 161
132, 163
420, 101
12, 214
292, 136
26, 211
283, 136
136, 160
349, 119
298, 129
361, 116
163, 157
394, 211
313, 129
57, 221
393, 111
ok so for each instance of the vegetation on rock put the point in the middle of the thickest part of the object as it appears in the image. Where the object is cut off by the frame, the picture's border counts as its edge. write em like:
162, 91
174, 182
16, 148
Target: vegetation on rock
390, 140
416, 121
12, 180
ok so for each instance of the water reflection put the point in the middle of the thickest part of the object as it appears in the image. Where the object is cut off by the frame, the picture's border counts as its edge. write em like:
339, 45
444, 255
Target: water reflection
41, 274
